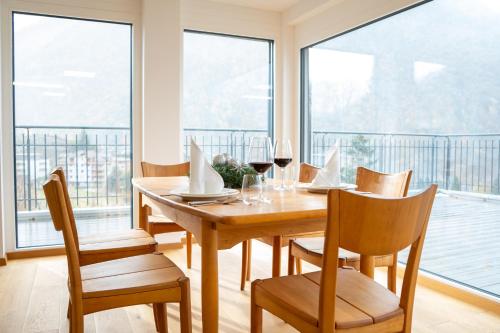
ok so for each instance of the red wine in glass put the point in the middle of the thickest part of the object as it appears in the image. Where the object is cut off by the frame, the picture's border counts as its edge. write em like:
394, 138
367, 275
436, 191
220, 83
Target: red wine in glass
261, 167
282, 162
282, 157
260, 157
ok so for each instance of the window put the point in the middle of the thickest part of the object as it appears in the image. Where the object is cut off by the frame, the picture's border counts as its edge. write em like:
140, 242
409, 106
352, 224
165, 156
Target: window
228, 92
72, 108
419, 90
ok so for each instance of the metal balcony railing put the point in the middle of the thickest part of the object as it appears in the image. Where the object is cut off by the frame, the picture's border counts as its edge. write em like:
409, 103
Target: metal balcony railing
219, 141
468, 163
96, 160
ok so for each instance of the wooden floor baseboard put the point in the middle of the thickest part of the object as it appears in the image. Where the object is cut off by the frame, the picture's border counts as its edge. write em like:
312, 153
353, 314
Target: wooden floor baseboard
57, 251
3, 261
36, 253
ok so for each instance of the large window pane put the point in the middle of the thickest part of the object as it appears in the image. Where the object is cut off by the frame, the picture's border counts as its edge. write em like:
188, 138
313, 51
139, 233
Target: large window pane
228, 92
419, 90
72, 95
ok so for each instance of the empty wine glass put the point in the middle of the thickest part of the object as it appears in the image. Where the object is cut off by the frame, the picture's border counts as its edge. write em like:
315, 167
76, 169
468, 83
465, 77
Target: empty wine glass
282, 157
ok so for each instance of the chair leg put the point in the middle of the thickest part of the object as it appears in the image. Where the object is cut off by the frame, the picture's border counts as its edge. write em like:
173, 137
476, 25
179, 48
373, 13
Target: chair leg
68, 315
249, 259
68, 312
391, 274
291, 258
298, 265
185, 306
189, 248
160, 312
244, 263
155, 317
255, 314
76, 321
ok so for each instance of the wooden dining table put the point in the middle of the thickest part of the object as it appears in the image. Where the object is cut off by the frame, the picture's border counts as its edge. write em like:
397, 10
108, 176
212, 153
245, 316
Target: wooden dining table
221, 226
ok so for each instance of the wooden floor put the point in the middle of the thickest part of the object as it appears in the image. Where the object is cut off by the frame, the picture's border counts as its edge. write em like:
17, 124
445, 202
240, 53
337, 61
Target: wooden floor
33, 298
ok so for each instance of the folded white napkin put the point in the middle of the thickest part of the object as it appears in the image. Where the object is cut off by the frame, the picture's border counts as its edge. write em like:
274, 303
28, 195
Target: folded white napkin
330, 174
203, 178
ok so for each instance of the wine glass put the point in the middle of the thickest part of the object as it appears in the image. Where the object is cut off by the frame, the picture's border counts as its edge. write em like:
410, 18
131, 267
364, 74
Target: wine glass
282, 157
260, 156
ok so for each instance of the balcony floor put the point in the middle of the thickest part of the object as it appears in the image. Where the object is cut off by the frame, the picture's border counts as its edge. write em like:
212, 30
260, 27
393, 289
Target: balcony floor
461, 244
41, 232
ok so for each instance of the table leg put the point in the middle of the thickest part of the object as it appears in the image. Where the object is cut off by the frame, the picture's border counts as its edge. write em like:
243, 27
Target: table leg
276, 256
209, 278
367, 266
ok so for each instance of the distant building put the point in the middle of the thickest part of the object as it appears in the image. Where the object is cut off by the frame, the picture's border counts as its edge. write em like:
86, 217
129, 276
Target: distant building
38, 166
85, 169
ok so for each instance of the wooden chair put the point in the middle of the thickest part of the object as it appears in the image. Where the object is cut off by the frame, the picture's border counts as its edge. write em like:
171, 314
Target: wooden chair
142, 279
157, 224
106, 246
311, 249
343, 299
307, 173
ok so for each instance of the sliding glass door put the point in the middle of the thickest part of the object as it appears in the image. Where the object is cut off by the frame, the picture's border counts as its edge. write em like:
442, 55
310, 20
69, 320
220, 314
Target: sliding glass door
72, 108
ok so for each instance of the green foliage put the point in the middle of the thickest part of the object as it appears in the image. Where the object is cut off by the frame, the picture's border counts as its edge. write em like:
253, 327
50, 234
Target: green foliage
360, 150
496, 187
232, 173
360, 154
456, 185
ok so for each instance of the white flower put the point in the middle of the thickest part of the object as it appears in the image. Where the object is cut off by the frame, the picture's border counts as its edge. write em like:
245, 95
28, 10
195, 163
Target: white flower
220, 159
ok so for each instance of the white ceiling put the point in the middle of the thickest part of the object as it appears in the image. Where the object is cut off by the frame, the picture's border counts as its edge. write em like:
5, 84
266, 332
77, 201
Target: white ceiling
272, 5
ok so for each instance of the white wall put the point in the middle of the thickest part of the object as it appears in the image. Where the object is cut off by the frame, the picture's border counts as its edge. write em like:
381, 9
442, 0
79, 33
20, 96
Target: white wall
344, 16
162, 68
234, 20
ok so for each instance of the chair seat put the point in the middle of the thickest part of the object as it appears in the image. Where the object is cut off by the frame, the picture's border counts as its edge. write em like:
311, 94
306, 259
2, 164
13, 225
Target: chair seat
113, 236
360, 301
127, 240
315, 246
130, 275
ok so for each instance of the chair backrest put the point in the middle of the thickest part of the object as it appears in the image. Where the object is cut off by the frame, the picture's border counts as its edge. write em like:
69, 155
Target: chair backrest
62, 178
169, 170
373, 225
307, 172
56, 202
390, 185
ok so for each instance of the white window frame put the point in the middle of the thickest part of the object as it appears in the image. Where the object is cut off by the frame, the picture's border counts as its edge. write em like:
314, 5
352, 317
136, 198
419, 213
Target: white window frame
84, 9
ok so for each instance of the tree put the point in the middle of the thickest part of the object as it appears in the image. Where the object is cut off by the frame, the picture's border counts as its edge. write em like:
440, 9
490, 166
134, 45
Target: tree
360, 153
